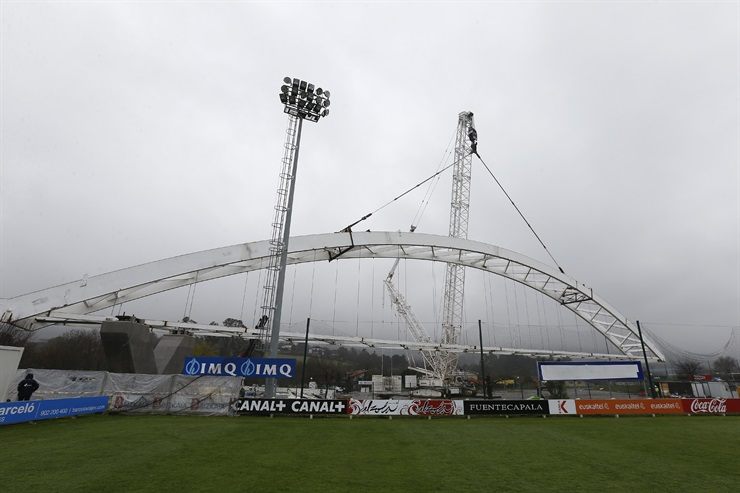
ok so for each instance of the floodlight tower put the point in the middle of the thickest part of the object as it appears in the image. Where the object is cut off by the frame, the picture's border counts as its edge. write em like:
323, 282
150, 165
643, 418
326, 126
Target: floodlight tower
454, 294
303, 101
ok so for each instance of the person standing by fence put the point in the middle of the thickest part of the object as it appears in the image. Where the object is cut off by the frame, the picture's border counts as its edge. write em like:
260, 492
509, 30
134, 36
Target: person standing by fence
27, 387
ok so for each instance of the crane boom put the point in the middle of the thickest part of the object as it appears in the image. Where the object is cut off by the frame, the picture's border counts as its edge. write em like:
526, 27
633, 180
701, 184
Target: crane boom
431, 358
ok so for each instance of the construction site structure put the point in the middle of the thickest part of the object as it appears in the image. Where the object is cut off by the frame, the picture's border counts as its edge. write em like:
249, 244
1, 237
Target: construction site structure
454, 292
439, 364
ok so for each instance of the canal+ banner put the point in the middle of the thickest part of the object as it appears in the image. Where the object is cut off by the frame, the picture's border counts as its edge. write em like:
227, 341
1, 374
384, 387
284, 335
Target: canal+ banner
239, 367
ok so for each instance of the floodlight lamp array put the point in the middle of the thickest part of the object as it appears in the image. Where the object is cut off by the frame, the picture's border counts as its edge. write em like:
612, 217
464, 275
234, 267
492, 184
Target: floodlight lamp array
303, 99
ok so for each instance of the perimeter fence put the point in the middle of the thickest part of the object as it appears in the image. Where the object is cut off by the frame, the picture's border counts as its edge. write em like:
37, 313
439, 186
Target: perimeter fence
219, 396
137, 393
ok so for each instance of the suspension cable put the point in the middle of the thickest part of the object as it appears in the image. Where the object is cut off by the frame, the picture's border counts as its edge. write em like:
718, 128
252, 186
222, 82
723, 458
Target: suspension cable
520, 212
348, 228
430, 188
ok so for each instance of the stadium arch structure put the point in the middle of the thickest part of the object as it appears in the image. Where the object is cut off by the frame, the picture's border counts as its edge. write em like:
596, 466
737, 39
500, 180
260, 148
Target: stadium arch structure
75, 300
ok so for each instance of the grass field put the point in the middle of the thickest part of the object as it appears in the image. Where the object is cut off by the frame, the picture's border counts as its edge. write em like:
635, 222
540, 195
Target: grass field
179, 453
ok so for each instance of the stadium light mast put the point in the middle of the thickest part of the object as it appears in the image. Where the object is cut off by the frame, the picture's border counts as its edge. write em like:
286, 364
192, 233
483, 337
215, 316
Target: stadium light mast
302, 101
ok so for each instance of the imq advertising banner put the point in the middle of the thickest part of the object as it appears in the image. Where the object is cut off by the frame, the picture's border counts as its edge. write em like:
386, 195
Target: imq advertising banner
239, 367
289, 406
506, 407
19, 412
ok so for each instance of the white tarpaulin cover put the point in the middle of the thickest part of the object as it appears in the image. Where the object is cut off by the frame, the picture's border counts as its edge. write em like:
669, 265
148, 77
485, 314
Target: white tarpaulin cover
133, 392
207, 395
61, 384
137, 393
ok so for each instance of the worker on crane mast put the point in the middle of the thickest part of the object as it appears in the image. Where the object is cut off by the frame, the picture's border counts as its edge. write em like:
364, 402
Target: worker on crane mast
473, 136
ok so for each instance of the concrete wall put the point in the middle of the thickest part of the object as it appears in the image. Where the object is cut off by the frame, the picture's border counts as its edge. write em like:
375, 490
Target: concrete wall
128, 347
171, 352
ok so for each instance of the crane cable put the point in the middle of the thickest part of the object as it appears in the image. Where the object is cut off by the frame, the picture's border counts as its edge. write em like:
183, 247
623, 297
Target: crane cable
519, 211
348, 228
430, 188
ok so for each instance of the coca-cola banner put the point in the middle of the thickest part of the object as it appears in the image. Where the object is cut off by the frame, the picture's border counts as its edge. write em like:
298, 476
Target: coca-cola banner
711, 406
416, 407
507, 407
629, 406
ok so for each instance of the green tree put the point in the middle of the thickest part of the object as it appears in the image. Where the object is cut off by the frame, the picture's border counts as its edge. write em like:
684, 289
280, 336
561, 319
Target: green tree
725, 366
687, 368
74, 350
13, 336
556, 389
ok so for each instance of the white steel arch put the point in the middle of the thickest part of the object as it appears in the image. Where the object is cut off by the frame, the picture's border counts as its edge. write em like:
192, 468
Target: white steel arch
103, 291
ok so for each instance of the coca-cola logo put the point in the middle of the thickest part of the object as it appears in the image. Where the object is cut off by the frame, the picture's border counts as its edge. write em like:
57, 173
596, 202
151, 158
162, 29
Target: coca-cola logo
709, 406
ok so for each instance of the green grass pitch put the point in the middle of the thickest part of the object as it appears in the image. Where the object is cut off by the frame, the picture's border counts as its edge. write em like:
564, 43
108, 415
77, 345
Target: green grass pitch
183, 453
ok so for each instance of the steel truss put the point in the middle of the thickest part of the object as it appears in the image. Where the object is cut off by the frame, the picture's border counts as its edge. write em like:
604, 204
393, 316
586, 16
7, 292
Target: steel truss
97, 293
454, 293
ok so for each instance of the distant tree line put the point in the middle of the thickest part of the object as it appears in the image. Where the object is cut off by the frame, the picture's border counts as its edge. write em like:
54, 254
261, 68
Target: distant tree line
325, 365
73, 350
725, 367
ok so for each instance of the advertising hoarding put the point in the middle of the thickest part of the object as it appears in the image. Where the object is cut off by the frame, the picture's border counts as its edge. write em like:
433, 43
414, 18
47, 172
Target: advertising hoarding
289, 406
22, 411
711, 406
239, 367
416, 407
629, 406
562, 406
493, 407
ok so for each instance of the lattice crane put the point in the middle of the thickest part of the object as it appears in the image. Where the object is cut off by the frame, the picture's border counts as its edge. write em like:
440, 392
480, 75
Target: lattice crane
443, 363
434, 360
466, 142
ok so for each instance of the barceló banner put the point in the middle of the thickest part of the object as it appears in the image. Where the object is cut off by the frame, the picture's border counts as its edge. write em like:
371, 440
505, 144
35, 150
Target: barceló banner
240, 367
19, 412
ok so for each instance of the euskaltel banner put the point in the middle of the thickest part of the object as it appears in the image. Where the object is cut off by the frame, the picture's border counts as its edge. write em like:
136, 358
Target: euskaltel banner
711, 406
629, 406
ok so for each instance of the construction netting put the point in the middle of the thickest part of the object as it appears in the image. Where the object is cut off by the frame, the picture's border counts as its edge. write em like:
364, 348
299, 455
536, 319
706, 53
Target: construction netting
137, 393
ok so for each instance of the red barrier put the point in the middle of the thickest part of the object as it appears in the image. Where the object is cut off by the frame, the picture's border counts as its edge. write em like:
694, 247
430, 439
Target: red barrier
711, 406
629, 406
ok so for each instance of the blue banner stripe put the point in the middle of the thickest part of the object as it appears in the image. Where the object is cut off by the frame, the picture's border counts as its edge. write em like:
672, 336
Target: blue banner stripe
22, 411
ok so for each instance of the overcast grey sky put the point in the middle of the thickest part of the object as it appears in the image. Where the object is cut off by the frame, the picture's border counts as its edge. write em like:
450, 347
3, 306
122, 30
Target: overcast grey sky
137, 131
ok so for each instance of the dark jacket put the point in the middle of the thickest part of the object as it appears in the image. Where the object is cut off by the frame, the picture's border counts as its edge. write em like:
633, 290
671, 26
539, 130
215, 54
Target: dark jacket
27, 386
